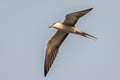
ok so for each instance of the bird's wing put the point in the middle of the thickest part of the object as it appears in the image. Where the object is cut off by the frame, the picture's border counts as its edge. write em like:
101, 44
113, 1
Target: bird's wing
52, 49
72, 18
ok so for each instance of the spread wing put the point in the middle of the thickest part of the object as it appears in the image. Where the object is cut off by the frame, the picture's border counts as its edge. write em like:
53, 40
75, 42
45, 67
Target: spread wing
72, 18
52, 49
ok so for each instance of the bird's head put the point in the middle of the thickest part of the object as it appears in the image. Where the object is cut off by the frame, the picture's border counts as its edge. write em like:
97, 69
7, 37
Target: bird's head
55, 25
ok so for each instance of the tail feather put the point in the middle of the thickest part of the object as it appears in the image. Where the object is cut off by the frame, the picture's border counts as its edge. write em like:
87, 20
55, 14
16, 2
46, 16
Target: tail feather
86, 35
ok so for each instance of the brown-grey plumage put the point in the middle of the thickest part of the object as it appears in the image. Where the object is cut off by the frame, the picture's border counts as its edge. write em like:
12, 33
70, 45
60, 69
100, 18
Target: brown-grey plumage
63, 30
72, 18
52, 49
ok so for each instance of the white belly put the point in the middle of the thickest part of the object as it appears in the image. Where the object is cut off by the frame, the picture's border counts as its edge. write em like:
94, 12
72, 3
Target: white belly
68, 29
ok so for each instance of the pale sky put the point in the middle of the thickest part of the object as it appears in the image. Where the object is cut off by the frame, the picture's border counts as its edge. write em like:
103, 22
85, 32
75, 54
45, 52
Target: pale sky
24, 34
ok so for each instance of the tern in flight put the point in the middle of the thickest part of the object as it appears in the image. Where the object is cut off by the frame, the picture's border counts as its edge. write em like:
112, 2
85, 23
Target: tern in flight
63, 29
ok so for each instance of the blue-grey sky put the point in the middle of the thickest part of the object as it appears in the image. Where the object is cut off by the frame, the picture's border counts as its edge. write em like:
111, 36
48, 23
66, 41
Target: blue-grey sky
24, 34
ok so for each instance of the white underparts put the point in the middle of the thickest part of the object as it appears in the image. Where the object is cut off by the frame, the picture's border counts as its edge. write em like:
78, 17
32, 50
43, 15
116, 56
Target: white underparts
67, 29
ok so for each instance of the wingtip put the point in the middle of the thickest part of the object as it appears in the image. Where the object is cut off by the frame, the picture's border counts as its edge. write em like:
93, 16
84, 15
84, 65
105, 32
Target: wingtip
45, 75
89, 9
45, 72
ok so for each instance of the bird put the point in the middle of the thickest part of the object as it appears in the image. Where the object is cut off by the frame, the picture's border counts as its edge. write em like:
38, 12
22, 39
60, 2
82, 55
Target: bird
63, 30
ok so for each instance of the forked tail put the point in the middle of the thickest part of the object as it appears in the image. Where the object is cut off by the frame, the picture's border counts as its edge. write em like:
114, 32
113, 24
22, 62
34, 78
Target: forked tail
86, 35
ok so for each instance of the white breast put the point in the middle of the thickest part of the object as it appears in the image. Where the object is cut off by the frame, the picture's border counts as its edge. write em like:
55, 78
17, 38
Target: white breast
59, 26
